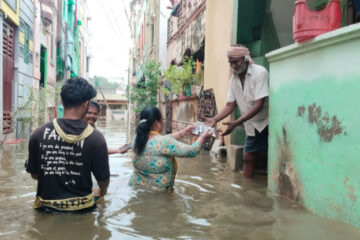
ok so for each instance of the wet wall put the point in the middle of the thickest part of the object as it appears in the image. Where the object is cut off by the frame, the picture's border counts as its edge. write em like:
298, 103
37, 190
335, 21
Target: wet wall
314, 124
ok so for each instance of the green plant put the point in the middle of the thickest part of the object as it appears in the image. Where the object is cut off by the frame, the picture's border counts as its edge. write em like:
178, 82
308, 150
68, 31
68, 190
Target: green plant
166, 91
36, 104
145, 92
179, 77
173, 75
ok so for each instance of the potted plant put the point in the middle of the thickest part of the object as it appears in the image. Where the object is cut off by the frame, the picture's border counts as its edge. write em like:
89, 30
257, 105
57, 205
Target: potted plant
197, 79
182, 79
173, 75
187, 75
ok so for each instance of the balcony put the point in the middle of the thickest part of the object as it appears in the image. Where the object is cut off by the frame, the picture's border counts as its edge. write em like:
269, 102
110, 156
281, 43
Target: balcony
47, 11
186, 12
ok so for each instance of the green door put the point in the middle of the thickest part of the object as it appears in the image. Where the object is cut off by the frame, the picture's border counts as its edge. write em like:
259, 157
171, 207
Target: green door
254, 28
43, 67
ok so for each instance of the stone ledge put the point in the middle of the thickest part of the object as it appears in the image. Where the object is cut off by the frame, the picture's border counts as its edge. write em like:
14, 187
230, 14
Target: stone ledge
324, 40
235, 157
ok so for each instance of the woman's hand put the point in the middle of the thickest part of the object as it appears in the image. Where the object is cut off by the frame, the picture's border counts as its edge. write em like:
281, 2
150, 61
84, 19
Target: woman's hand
124, 148
188, 130
207, 134
184, 132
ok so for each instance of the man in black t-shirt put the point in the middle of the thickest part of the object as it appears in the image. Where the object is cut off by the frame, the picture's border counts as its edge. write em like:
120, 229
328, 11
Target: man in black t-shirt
63, 154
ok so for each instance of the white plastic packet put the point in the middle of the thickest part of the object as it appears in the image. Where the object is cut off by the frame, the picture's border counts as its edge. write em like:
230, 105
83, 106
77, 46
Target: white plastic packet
200, 128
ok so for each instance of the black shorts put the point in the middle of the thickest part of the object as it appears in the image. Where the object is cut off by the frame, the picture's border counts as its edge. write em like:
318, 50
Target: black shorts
257, 143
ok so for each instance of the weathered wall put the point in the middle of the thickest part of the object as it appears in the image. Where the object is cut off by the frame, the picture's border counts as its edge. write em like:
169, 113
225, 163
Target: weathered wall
23, 72
218, 35
23, 69
186, 31
314, 124
45, 36
83, 39
162, 34
184, 112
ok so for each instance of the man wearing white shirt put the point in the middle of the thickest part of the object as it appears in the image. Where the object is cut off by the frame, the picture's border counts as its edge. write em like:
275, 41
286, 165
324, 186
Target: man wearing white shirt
249, 89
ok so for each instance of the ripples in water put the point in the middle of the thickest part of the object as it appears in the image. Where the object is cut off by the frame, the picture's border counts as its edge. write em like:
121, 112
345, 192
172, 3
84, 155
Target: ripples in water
209, 202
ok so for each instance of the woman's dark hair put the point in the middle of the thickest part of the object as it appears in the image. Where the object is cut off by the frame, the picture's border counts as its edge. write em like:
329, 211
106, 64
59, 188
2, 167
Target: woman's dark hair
76, 91
95, 105
147, 118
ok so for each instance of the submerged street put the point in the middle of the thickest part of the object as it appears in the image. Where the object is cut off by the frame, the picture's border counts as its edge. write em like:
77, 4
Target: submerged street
209, 202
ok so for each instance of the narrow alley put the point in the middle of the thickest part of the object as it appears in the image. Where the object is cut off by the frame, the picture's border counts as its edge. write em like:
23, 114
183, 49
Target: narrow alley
179, 119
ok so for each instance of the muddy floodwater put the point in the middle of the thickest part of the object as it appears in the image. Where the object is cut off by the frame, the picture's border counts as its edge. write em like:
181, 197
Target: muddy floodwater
209, 202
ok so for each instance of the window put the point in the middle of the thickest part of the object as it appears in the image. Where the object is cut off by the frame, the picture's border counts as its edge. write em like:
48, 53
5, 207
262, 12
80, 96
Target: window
87, 64
152, 34
26, 43
52, 48
30, 57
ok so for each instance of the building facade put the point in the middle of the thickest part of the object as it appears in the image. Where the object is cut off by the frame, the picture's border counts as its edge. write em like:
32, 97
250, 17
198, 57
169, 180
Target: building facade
313, 128
84, 54
44, 71
186, 31
72, 42
43, 42
9, 22
17, 43
148, 26
23, 72
262, 26
312, 133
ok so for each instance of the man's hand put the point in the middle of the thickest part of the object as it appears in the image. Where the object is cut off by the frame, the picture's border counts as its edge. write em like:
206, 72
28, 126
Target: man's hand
230, 128
35, 176
209, 121
124, 148
103, 186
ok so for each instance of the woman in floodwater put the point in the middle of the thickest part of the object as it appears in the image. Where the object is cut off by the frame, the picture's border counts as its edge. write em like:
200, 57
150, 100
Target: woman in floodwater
154, 159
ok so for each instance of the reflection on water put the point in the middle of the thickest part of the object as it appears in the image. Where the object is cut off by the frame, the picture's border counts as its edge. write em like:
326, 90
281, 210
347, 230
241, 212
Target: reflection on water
209, 202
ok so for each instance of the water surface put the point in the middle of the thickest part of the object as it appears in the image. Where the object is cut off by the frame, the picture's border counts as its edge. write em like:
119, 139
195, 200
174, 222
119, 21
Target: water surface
209, 202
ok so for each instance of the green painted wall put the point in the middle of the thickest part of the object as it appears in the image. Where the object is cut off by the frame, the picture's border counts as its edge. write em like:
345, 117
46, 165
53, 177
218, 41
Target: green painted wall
314, 124
70, 39
69, 44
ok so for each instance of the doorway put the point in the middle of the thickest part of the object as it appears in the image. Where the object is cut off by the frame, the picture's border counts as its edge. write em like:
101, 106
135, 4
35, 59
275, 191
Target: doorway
43, 66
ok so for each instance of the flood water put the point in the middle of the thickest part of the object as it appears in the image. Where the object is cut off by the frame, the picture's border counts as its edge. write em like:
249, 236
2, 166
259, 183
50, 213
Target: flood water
209, 202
